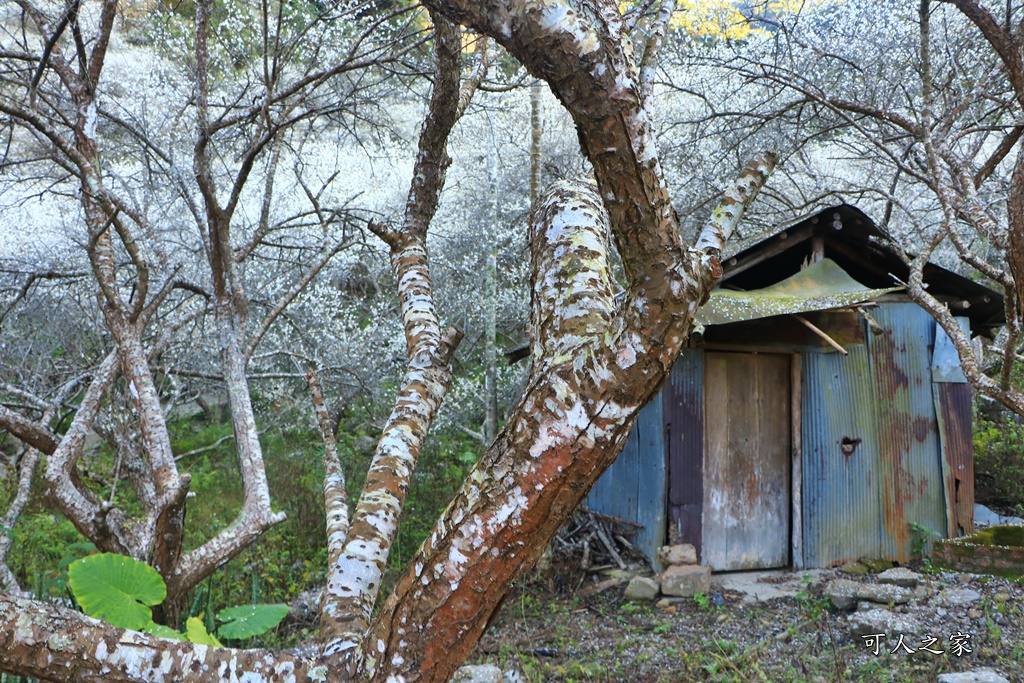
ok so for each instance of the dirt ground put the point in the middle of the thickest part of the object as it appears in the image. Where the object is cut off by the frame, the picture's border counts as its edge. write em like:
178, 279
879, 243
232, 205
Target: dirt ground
727, 636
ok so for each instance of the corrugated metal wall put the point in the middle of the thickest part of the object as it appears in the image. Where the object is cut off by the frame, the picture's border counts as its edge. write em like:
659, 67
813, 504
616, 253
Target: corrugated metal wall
953, 400
683, 398
886, 442
871, 458
635, 486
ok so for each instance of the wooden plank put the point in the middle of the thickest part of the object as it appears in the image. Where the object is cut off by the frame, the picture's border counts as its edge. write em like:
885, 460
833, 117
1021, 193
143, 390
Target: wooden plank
747, 461
796, 472
716, 439
772, 247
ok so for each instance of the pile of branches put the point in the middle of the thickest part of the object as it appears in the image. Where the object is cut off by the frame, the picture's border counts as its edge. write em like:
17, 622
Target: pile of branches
590, 543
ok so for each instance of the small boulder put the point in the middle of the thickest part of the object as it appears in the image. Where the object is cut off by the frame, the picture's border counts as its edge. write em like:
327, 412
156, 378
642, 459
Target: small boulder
642, 588
671, 555
876, 565
973, 676
478, 673
900, 576
686, 580
855, 568
844, 593
881, 621
959, 596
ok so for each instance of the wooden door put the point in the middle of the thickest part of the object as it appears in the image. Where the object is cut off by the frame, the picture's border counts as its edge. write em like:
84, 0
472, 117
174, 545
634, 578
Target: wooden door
746, 520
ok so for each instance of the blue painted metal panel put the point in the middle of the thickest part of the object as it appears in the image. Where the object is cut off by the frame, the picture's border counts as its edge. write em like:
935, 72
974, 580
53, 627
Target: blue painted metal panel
945, 359
841, 502
871, 457
633, 488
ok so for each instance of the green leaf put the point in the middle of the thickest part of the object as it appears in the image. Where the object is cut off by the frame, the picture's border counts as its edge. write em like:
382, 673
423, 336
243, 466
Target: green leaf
117, 589
161, 631
247, 621
198, 634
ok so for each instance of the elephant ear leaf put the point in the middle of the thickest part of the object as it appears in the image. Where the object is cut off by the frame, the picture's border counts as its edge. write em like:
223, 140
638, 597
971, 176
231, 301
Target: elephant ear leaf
197, 633
117, 589
247, 621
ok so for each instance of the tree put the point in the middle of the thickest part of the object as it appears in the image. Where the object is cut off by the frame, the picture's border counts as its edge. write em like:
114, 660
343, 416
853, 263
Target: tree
920, 119
55, 104
595, 363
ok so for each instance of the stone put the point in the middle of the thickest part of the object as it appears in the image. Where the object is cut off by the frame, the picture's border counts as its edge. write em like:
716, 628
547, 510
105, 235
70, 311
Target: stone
876, 565
686, 580
671, 555
642, 588
478, 673
855, 568
842, 593
974, 676
899, 576
881, 621
923, 592
959, 596
845, 593
1001, 597
963, 577
864, 606
974, 614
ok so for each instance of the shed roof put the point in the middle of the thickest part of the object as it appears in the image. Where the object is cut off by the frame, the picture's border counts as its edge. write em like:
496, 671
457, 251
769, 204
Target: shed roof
863, 250
820, 286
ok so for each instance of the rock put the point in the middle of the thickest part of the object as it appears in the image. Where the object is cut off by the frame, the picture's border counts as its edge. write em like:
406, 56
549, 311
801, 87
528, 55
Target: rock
1001, 597
881, 621
855, 568
899, 576
974, 614
864, 606
939, 612
642, 588
973, 676
842, 593
876, 565
963, 578
959, 596
478, 673
721, 618
686, 580
845, 593
683, 553
923, 592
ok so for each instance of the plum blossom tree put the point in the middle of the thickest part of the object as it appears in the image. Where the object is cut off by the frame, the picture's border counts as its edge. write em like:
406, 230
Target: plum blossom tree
595, 362
919, 120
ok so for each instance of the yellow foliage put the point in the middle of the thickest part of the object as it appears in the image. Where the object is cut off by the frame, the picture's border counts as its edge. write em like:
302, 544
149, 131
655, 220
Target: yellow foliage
722, 19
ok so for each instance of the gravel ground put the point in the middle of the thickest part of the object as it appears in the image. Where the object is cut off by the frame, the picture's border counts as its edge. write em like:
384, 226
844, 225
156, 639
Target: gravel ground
727, 636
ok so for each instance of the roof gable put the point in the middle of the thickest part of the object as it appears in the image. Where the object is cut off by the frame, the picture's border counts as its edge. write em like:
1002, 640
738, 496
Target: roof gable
848, 237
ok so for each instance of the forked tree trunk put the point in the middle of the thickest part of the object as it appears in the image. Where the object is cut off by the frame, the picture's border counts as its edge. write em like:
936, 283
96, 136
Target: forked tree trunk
595, 363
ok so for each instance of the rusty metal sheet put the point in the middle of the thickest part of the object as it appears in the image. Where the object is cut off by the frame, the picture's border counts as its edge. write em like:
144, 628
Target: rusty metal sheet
871, 456
953, 404
746, 461
683, 397
911, 467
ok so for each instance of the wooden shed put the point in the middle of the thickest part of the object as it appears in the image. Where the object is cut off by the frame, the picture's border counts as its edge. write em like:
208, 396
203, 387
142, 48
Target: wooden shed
817, 416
